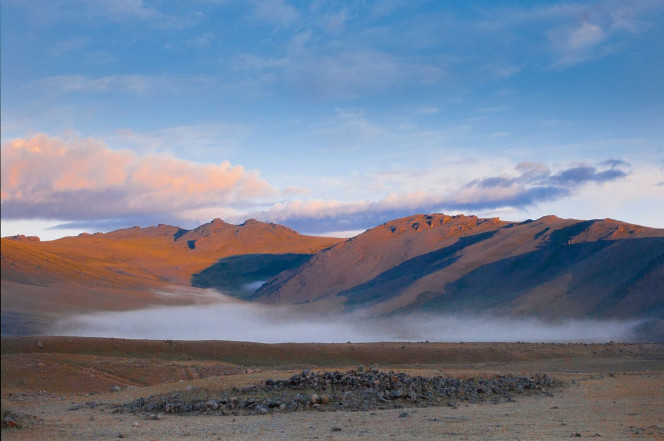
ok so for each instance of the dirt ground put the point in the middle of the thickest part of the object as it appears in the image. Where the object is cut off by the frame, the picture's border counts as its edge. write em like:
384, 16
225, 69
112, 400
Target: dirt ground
59, 388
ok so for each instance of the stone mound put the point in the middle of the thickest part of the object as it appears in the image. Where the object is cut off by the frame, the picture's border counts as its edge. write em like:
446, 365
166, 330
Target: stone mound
355, 390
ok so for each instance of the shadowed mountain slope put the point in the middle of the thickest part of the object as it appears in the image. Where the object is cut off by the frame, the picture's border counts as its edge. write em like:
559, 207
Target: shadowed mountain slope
549, 268
240, 276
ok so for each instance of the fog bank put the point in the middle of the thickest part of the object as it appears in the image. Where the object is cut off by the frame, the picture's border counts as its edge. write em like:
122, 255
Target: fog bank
239, 321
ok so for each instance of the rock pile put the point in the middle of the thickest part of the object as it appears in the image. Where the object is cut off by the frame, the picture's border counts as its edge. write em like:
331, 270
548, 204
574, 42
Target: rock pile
353, 390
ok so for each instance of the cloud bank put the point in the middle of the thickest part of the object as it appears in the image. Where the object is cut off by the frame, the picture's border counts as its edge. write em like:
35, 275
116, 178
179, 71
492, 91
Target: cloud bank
46, 177
237, 321
528, 184
87, 185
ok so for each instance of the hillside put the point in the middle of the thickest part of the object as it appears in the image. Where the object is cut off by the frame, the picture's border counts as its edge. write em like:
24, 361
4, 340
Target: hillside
550, 268
128, 268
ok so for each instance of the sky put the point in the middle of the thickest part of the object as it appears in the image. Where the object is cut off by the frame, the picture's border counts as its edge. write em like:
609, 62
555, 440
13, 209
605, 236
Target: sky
330, 117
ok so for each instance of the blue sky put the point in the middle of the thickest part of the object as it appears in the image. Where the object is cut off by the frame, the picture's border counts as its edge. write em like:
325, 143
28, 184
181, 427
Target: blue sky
329, 117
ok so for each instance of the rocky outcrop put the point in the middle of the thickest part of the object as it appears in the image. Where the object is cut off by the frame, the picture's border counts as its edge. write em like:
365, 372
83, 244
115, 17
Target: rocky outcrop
24, 238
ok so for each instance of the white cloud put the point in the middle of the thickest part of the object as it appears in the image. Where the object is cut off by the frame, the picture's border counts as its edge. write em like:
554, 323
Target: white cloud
116, 11
577, 43
351, 71
130, 8
337, 69
70, 45
578, 31
139, 84
584, 36
430, 110
348, 130
50, 178
196, 140
487, 186
275, 12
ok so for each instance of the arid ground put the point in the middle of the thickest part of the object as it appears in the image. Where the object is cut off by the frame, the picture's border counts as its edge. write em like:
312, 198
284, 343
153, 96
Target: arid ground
61, 388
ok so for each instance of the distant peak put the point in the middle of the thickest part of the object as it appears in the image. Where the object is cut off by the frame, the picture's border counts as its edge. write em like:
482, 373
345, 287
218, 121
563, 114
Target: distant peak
251, 221
217, 220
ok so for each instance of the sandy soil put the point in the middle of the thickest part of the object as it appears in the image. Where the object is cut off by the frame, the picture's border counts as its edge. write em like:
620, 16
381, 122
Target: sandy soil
613, 391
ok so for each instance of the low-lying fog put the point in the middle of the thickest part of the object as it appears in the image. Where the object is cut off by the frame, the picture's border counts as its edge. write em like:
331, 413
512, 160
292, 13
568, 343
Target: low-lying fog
239, 321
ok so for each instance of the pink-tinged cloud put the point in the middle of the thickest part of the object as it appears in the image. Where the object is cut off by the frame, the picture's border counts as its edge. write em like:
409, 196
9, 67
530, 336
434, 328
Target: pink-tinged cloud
47, 177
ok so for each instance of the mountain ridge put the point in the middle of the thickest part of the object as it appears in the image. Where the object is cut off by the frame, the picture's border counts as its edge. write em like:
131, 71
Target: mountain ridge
549, 268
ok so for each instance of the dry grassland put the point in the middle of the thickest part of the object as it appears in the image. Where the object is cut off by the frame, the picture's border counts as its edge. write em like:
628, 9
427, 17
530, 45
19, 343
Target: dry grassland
59, 388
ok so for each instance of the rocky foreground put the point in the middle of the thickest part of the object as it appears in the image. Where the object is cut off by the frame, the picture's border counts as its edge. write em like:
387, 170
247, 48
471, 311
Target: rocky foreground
355, 390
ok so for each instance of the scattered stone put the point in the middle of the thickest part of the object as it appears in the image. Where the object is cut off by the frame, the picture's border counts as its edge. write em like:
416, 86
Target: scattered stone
115, 389
336, 429
40, 345
403, 415
212, 404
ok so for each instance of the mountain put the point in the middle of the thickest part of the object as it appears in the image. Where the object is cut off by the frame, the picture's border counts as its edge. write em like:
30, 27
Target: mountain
550, 268
128, 268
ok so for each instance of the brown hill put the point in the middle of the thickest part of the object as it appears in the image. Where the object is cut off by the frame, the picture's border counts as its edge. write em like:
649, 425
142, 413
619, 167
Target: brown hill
128, 268
549, 268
